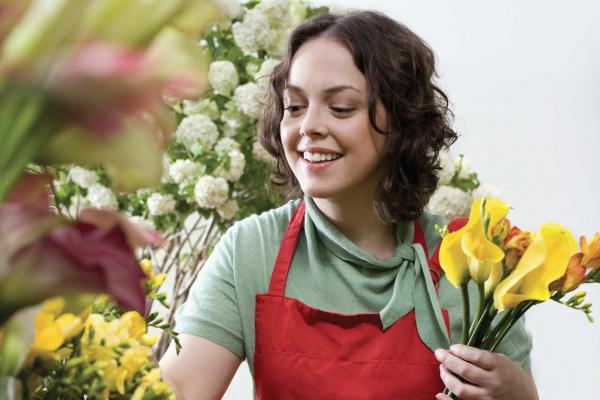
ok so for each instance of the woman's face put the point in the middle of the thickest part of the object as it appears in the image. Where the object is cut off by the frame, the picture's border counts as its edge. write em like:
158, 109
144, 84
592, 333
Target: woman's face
327, 137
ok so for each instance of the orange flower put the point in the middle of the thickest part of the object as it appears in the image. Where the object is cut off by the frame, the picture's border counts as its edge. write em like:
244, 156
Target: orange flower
591, 252
515, 245
574, 275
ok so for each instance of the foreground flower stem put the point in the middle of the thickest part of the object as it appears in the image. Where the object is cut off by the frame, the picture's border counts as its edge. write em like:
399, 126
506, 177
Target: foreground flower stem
23, 137
466, 312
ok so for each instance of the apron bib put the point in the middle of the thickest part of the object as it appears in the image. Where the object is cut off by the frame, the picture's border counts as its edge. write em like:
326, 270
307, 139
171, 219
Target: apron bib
307, 353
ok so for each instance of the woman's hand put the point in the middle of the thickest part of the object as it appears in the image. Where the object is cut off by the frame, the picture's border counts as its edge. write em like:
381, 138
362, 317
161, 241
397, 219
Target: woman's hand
489, 376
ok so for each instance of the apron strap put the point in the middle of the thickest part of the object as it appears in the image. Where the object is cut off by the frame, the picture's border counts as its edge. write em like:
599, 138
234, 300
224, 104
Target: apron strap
286, 251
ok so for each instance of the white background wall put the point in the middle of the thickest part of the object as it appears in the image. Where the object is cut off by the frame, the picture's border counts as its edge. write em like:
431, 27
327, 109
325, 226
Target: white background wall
524, 81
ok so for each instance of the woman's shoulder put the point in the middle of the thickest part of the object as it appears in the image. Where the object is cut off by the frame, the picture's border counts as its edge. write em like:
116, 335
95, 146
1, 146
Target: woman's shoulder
270, 223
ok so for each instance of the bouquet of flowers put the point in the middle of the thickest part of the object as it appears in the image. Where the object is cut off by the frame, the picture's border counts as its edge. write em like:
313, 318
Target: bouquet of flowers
513, 269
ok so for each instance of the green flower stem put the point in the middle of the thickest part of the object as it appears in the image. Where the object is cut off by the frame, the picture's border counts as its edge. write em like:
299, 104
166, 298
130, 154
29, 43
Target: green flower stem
479, 318
466, 312
490, 336
518, 313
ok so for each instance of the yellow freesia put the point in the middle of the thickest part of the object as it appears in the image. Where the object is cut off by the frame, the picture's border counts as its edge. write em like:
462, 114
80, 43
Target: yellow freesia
476, 256
544, 261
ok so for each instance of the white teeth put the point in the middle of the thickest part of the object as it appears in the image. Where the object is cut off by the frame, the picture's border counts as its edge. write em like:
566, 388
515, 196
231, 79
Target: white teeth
317, 157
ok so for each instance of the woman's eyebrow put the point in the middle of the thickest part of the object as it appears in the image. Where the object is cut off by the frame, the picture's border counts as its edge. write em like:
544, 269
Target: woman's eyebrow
327, 92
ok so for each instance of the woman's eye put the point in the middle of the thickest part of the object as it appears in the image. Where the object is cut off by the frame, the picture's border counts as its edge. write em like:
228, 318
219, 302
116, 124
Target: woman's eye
341, 110
293, 108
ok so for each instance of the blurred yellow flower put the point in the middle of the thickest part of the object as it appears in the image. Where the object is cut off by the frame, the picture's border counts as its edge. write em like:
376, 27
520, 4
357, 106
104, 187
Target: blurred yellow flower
544, 261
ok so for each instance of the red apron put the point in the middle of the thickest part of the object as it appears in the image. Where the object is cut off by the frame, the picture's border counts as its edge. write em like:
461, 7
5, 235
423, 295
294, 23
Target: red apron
307, 353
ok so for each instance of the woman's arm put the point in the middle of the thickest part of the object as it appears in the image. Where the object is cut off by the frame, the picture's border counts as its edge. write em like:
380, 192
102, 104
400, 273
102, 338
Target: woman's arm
201, 371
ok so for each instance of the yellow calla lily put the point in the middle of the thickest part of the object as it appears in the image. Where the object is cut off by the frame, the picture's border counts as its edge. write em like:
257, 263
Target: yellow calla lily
481, 254
544, 261
460, 264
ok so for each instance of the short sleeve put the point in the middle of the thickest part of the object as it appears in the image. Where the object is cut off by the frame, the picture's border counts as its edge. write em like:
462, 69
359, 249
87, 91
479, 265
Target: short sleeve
211, 310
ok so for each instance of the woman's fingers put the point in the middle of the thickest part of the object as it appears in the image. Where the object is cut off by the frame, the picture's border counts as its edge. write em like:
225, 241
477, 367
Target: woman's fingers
471, 372
464, 390
482, 358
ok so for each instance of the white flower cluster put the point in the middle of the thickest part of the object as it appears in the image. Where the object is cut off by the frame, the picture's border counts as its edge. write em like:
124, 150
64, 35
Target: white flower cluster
223, 76
146, 223
100, 196
262, 75
204, 106
233, 119
446, 174
226, 145
237, 163
197, 133
211, 192
82, 177
247, 99
253, 33
260, 154
184, 172
159, 204
449, 201
228, 209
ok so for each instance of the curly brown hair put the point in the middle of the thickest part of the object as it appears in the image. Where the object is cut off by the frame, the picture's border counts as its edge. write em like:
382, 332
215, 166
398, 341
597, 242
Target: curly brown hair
399, 68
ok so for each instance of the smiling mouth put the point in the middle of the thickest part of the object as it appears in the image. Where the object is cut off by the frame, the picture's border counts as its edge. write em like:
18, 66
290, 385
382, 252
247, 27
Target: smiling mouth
315, 158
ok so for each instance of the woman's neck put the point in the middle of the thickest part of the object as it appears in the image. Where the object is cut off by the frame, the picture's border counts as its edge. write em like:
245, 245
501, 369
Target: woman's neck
357, 220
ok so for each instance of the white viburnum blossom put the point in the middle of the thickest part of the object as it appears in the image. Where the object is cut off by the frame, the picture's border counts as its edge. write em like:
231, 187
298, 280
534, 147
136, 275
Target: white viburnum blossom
197, 133
228, 209
253, 33
446, 174
449, 202
237, 163
247, 99
279, 43
225, 145
262, 75
297, 12
259, 153
83, 177
211, 192
204, 106
230, 8
145, 223
159, 204
485, 190
234, 120
277, 11
100, 196
185, 172
223, 76
463, 166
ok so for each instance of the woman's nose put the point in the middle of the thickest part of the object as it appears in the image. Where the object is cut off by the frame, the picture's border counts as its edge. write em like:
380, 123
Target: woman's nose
313, 124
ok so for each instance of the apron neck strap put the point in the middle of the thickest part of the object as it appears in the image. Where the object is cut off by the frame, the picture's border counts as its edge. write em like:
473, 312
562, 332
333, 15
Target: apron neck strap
286, 251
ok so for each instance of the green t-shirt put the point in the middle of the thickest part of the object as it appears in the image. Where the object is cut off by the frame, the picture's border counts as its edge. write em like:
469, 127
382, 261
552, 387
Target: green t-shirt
328, 272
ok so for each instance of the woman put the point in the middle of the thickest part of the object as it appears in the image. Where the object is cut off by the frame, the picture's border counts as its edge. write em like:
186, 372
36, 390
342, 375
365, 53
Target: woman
331, 296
